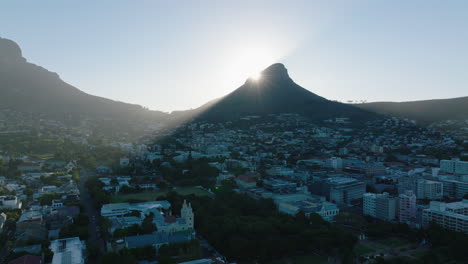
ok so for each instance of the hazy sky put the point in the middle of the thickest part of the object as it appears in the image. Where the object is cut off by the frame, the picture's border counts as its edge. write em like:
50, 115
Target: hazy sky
170, 55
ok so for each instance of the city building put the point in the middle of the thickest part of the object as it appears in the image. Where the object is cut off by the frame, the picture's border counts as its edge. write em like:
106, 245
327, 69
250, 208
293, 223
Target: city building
121, 209
422, 188
10, 202
453, 216
68, 250
119, 215
455, 188
381, 206
294, 203
432, 190
407, 207
454, 166
279, 186
334, 163
343, 190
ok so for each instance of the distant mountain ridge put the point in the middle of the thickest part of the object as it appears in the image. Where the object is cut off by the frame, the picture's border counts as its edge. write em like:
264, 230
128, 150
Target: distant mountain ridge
425, 111
275, 92
30, 88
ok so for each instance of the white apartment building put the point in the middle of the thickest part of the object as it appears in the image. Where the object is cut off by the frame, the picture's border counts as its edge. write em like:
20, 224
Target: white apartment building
381, 206
456, 188
453, 216
454, 166
432, 190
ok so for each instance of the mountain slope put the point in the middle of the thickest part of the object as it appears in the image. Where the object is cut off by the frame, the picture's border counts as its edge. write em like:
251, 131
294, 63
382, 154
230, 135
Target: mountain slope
29, 88
425, 111
275, 92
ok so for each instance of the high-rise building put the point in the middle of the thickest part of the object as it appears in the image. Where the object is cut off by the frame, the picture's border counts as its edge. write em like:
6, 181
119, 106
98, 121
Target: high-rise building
407, 207
422, 188
455, 188
432, 190
453, 216
381, 206
454, 166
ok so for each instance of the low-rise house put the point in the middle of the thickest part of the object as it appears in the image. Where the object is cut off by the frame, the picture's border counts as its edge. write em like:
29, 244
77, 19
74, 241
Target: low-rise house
10, 202
31, 225
68, 250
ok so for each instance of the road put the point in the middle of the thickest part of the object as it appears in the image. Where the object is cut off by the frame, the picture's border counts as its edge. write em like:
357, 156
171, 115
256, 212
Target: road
91, 211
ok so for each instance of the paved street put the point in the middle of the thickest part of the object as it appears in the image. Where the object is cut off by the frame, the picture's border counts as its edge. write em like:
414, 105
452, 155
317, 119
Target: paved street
92, 212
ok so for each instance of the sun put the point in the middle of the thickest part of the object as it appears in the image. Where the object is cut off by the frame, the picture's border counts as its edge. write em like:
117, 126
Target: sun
256, 76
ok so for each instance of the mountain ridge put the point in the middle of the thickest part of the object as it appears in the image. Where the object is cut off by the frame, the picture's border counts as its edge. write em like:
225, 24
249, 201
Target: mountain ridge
31, 88
425, 111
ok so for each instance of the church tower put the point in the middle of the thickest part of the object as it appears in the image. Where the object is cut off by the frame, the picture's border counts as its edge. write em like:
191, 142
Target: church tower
187, 214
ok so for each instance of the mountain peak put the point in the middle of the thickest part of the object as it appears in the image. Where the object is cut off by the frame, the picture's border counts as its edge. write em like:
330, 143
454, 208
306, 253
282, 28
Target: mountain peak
10, 51
275, 71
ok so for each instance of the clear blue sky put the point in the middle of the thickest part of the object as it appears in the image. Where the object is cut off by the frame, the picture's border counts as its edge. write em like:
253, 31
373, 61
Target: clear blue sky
170, 55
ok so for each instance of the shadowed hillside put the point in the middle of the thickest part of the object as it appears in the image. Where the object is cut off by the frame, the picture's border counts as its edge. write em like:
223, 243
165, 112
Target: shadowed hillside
275, 92
29, 88
424, 111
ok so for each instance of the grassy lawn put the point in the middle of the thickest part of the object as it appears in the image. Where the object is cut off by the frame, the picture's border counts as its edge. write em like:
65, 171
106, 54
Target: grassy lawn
394, 242
310, 259
152, 196
362, 250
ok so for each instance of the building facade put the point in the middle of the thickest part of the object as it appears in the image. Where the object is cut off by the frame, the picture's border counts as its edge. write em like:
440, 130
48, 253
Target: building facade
407, 207
344, 190
452, 216
381, 206
454, 166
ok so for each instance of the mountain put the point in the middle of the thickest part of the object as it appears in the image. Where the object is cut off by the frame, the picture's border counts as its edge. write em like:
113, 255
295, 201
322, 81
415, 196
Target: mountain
426, 111
275, 92
28, 88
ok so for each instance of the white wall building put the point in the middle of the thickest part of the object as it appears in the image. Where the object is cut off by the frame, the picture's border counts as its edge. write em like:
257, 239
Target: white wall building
453, 216
432, 190
68, 250
454, 166
381, 206
10, 202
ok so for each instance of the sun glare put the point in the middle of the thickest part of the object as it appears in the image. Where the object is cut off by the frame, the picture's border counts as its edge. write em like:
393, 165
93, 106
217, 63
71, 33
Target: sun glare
256, 76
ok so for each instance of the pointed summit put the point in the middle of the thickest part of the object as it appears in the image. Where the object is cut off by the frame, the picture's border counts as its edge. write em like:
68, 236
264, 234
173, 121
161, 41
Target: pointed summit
274, 93
276, 71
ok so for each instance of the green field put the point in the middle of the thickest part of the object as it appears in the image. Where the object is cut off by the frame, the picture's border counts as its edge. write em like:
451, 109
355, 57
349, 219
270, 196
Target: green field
152, 196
